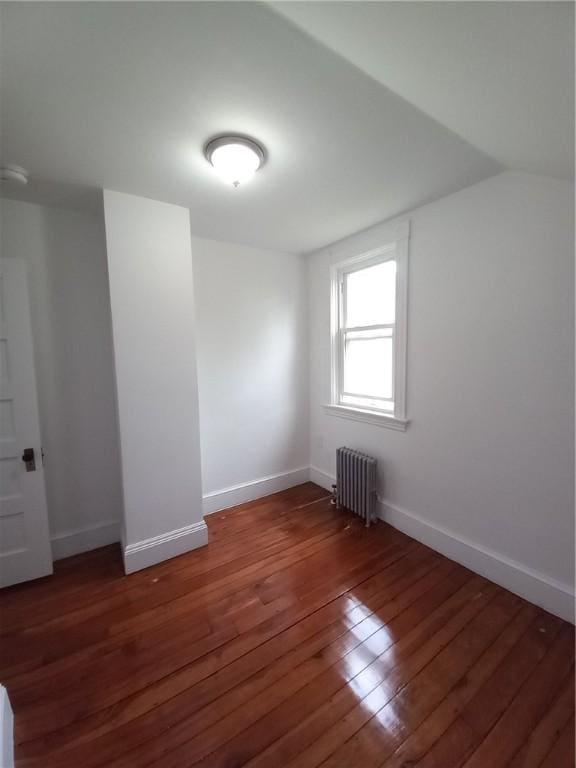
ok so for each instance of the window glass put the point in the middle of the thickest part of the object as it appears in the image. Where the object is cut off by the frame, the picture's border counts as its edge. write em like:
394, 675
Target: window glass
369, 333
368, 366
371, 295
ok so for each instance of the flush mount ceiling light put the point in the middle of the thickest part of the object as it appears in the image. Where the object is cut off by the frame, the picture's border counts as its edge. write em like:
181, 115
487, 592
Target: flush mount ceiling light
14, 173
234, 158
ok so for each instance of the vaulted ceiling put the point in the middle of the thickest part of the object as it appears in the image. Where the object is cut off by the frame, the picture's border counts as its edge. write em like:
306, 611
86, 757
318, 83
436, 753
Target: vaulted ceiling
366, 109
498, 74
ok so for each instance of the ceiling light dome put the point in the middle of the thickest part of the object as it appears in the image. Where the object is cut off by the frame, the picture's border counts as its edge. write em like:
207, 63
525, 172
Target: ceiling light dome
234, 158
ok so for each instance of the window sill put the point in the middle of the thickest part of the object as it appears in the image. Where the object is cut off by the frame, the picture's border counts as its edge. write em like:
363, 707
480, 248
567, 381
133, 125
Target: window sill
368, 417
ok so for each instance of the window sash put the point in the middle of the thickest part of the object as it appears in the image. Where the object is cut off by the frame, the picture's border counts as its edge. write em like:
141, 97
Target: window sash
367, 328
389, 255
396, 249
344, 331
343, 334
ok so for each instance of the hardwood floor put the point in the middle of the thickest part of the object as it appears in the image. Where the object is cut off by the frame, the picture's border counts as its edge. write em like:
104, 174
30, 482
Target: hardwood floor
296, 638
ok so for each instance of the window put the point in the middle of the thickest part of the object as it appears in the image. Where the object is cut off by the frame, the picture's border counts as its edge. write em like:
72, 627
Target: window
369, 335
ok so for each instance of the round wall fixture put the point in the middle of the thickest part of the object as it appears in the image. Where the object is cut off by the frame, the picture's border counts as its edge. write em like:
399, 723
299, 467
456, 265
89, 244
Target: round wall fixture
235, 158
14, 173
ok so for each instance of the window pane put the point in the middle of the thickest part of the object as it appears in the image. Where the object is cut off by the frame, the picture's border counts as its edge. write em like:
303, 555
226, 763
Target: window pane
368, 367
371, 295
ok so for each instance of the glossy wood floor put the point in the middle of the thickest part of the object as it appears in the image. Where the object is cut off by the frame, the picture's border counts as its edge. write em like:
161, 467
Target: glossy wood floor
296, 638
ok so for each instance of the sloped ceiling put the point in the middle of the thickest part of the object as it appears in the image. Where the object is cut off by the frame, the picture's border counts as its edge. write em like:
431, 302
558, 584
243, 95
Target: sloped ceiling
124, 96
499, 74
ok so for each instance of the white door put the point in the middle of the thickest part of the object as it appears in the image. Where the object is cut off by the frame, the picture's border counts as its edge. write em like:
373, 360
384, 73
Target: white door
24, 538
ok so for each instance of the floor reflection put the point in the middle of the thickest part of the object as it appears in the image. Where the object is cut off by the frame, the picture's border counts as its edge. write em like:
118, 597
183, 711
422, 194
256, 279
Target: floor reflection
366, 666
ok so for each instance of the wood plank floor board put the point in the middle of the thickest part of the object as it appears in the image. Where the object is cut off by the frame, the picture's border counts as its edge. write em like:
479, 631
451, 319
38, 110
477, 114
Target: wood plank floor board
244, 678
487, 707
296, 638
381, 722
149, 604
422, 738
420, 747
544, 736
319, 696
535, 696
561, 754
152, 664
257, 542
421, 622
169, 688
454, 736
364, 640
132, 591
98, 568
104, 686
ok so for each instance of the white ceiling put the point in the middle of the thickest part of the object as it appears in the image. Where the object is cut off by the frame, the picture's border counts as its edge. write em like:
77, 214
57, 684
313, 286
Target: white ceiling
124, 95
499, 74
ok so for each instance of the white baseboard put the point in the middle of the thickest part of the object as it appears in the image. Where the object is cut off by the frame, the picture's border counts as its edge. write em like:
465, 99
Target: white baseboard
532, 585
71, 543
321, 478
254, 489
552, 595
147, 552
548, 593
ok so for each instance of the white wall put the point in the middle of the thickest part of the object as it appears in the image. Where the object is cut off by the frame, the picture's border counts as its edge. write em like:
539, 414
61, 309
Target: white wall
485, 469
152, 303
252, 370
252, 339
70, 310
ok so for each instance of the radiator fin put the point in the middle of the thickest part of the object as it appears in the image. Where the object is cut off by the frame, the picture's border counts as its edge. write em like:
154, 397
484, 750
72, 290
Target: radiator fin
356, 483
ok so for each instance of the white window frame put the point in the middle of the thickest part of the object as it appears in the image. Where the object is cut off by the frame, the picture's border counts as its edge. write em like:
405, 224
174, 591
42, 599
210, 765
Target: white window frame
395, 417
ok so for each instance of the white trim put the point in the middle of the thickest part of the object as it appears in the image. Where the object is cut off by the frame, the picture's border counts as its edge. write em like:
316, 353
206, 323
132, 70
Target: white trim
545, 591
396, 249
253, 489
394, 231
70, 543
147, 552
321, 478
6, 730
536, 587
365, 259
401, 329
379, 418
